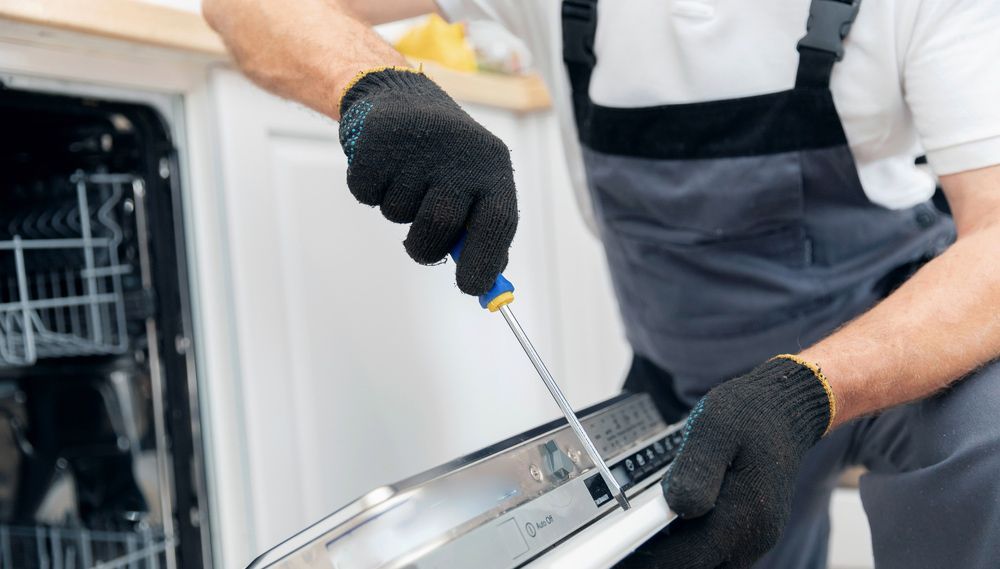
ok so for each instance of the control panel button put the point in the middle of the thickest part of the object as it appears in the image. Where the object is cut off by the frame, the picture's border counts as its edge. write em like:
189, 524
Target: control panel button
598, 489
513, 541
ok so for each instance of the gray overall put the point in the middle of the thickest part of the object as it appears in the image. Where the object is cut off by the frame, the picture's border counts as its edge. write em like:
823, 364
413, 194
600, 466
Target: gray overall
738, 229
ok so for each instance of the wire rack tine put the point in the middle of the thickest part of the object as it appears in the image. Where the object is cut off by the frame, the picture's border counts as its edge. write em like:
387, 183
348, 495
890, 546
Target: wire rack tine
59, 311
60, 547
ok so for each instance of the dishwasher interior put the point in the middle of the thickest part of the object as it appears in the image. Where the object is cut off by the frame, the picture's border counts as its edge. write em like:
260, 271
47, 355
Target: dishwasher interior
97, 439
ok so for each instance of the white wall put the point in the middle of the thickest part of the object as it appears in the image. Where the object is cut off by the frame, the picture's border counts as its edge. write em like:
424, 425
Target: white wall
850, 536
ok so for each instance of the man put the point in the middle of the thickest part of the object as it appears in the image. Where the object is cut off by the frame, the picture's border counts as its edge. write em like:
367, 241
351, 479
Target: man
760, 206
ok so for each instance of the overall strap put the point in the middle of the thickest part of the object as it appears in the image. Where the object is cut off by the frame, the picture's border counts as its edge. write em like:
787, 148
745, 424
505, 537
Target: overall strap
579, 25
823, 45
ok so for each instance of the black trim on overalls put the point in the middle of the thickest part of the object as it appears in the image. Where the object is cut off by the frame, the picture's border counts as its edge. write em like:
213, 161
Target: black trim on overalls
765, 124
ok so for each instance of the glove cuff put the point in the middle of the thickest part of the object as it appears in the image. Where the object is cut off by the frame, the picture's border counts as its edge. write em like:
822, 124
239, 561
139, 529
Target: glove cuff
818, 373
377, 79
806, 398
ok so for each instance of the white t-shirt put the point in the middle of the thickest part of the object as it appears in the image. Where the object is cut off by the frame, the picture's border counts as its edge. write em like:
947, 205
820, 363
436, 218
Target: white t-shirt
918, 76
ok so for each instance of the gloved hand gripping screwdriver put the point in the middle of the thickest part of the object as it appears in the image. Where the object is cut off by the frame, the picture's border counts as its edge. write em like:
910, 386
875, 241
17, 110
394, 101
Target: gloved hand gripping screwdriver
498, 299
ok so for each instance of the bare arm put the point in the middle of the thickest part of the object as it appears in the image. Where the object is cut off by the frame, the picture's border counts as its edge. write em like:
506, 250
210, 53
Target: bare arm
382, 11
411, 150
308, 50
940, 325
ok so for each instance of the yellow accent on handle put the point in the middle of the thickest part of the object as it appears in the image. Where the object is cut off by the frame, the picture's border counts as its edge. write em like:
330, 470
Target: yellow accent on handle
502, 299
361, 75
822, 379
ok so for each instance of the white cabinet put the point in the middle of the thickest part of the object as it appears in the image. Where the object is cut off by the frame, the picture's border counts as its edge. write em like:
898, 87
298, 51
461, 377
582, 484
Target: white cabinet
358, 367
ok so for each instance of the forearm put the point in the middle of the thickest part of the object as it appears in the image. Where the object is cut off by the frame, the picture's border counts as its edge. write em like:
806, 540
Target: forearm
306, 50
940, 325
382, 11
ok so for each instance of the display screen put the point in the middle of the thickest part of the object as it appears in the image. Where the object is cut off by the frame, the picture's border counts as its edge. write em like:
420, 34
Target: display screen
621, 475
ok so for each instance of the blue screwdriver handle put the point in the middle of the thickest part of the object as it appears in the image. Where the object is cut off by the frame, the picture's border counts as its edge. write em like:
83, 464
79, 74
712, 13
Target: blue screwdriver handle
502, 292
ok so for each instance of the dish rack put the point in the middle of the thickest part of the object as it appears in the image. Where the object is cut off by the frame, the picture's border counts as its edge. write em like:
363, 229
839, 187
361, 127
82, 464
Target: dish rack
51, 547
61, 291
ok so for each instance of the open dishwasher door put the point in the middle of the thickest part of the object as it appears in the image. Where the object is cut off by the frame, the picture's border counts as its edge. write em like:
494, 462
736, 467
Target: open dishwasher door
534, 500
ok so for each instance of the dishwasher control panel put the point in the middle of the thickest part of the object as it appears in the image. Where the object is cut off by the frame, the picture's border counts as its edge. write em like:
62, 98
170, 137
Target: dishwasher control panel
637, 466
498, 508
620, 428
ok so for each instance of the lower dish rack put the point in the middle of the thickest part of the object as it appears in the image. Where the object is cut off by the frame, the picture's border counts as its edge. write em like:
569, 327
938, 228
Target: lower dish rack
52, 547
61, 290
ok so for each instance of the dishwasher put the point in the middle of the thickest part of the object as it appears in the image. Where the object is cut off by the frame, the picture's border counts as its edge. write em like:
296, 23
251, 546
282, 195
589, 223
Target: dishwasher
97, 433
534, 500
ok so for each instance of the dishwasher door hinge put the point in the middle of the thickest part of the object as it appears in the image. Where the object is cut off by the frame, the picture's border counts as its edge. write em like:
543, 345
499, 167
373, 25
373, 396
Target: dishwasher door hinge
163, 168
182, 344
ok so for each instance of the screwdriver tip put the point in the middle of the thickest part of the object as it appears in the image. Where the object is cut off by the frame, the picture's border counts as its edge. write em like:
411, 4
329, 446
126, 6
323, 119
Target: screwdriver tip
623, 501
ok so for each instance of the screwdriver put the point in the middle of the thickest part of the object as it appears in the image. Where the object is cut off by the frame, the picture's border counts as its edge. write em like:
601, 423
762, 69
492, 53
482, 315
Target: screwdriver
498, 299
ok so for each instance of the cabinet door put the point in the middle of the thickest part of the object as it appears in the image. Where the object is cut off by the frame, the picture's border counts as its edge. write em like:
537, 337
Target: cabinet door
357, 366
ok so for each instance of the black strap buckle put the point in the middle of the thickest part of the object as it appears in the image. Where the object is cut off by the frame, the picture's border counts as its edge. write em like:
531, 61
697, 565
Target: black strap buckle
829, 23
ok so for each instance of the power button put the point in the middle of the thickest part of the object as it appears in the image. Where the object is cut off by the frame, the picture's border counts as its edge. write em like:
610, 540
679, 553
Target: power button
513, 541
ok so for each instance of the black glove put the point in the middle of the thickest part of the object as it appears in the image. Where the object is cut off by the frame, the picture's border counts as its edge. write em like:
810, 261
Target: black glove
733, 478
415, 153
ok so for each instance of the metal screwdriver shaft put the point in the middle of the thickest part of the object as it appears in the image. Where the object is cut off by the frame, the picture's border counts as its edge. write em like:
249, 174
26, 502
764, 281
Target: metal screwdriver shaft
498, 299
565, 407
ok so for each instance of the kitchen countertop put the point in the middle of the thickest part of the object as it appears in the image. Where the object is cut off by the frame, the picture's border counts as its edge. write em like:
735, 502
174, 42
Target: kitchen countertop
120, 19
166, 27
